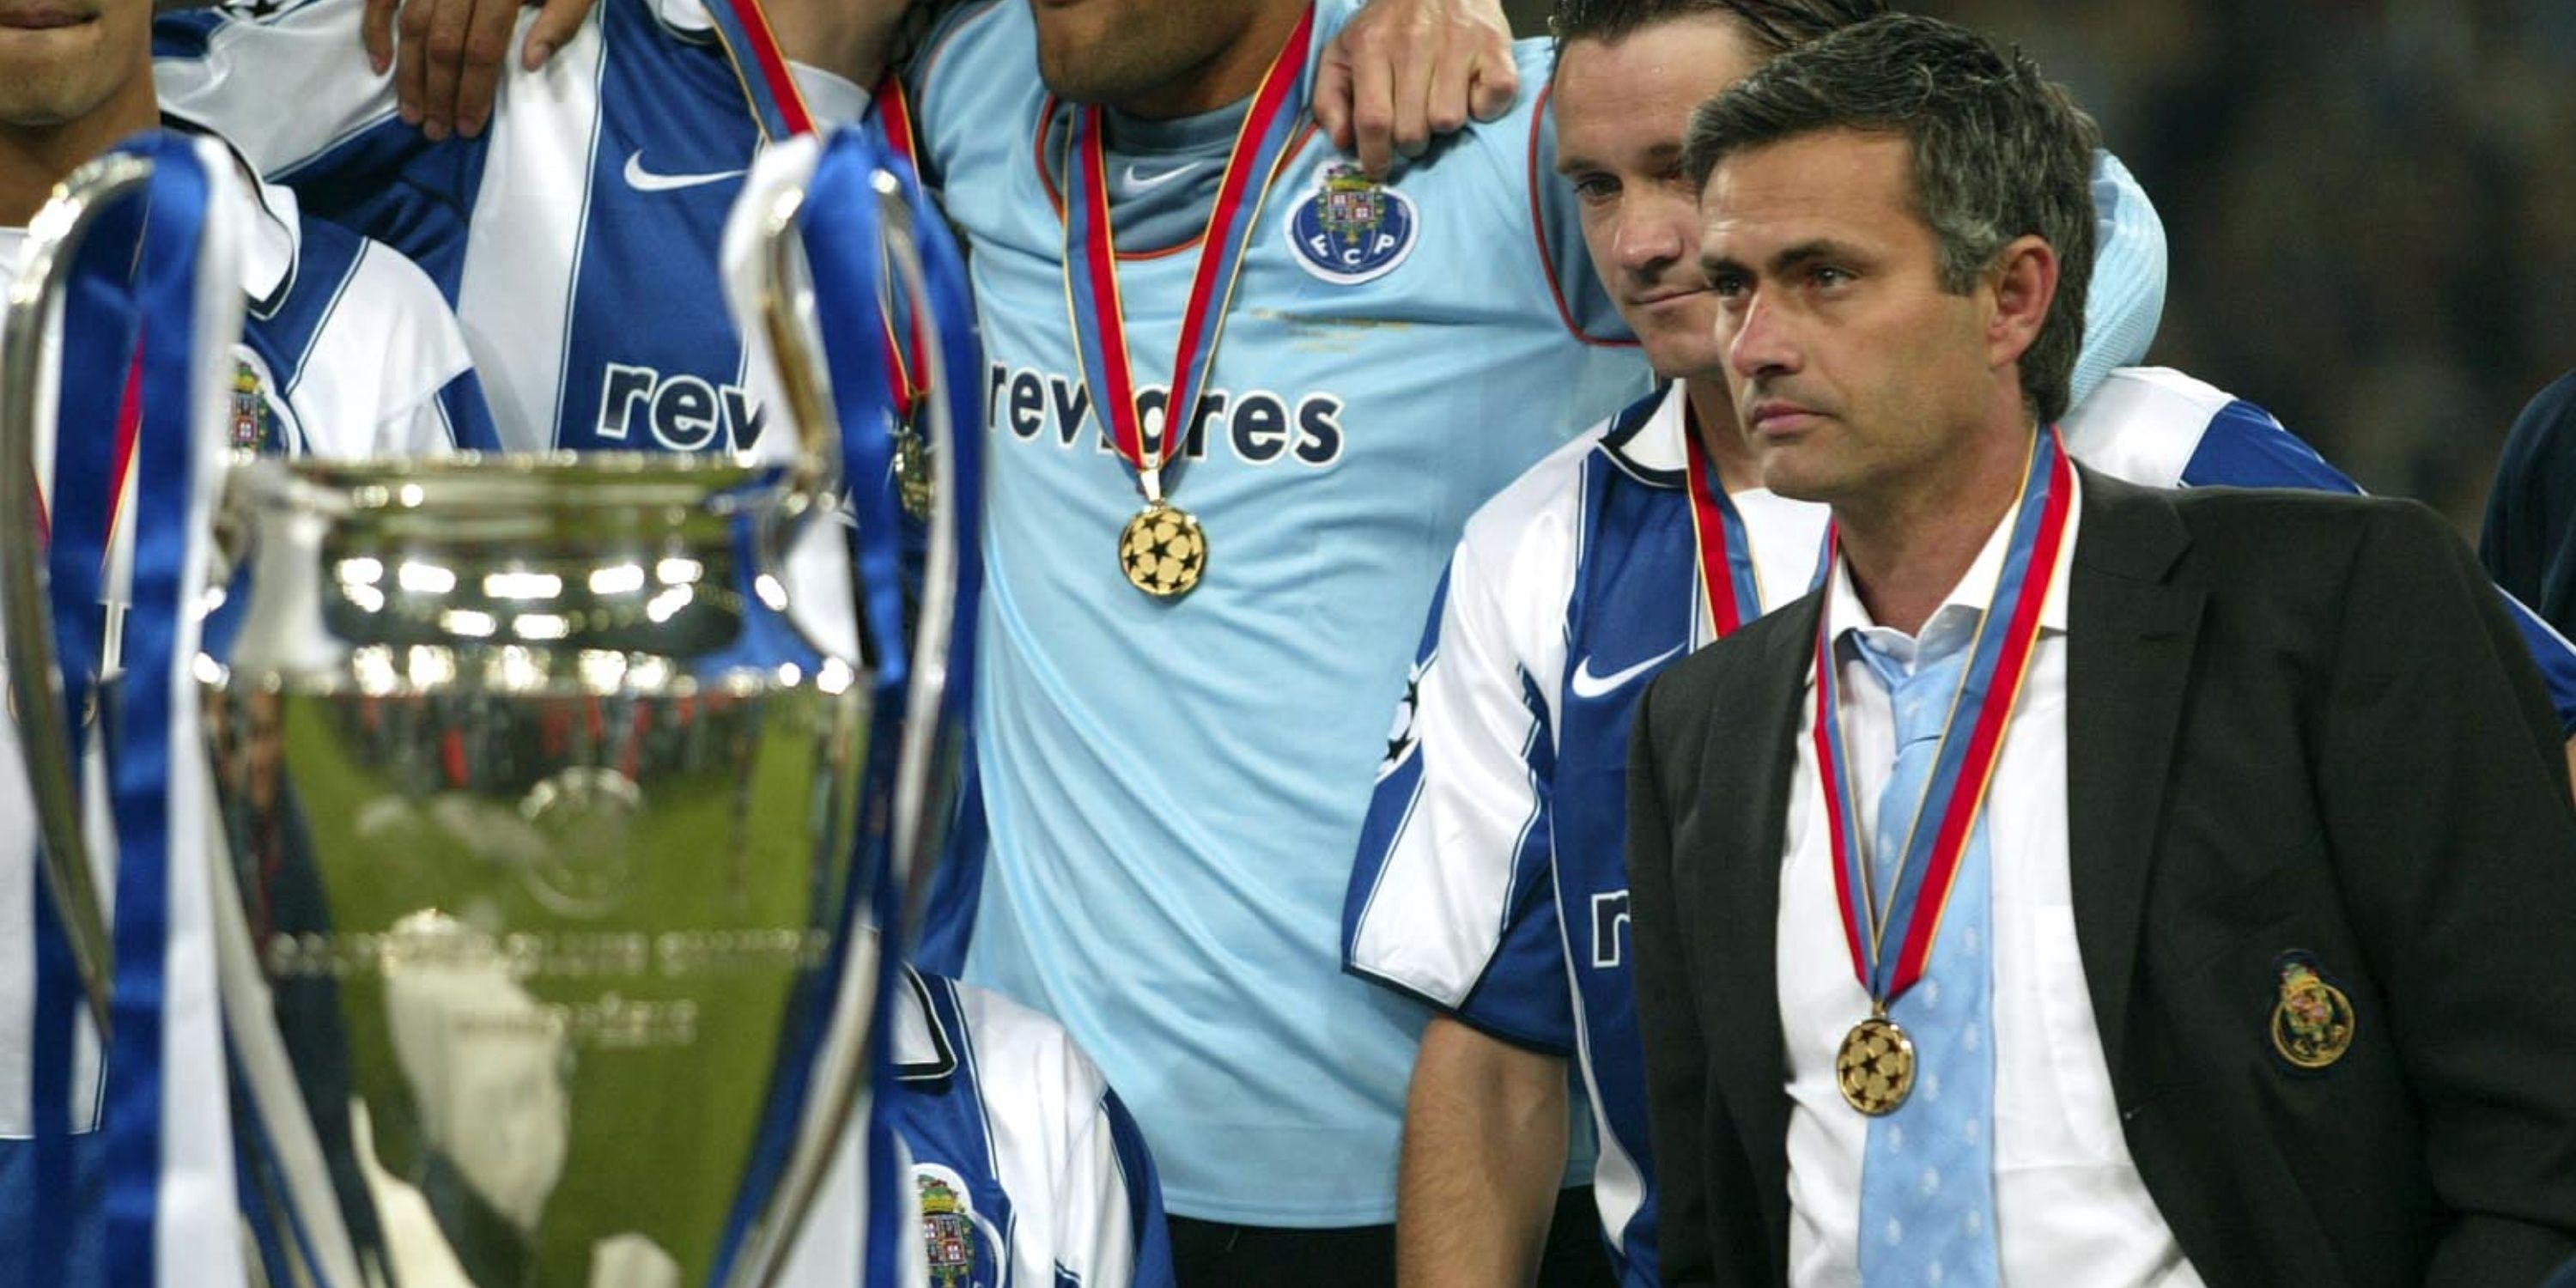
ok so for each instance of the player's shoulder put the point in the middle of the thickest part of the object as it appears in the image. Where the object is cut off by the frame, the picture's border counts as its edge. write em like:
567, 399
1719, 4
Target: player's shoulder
1536, 525
972, 52
2144, 424
2290, 518
2294, 550
944, 1027
367, 298
2545, 430
384, 284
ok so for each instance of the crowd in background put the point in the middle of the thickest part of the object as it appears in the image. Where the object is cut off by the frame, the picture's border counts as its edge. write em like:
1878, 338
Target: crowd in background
2371, 215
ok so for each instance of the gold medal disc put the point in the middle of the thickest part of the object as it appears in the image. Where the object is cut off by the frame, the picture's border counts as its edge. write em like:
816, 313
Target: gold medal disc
1875, 1067
912, 471
1162, 551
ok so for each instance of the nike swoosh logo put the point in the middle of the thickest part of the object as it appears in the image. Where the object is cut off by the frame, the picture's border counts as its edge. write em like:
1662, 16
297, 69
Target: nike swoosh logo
643, 180
1137, 181
1588, 685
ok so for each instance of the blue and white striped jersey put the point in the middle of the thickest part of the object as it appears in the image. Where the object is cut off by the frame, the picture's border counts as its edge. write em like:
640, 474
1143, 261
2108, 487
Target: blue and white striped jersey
576, 236
1491, 880
1027, 1169
346, 350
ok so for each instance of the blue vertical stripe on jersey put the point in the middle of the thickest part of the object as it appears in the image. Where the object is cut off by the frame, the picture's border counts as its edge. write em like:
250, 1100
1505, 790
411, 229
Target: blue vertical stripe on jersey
2244, 447
1153, 1263
467, 416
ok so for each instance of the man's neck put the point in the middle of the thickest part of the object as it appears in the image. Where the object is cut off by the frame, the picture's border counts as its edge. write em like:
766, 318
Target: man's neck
35, 158
1231, 75
1720, 435
1909, 549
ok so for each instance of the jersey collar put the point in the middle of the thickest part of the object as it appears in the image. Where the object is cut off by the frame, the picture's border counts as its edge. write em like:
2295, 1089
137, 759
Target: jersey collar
923, 1047
276, 239
684, 15
1645, 441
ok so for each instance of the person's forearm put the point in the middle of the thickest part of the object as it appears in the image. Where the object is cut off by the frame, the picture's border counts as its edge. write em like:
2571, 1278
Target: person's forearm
1484, 1151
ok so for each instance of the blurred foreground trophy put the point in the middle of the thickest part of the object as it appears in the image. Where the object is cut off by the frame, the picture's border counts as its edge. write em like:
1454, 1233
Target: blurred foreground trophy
546, 849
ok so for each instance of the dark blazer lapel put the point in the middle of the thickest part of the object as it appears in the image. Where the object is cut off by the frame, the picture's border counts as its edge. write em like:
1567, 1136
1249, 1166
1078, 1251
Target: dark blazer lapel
1753, 739
2130, 640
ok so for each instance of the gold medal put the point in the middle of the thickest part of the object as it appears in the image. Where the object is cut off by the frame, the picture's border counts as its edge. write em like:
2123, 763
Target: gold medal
912, 470
1875, 1067
1162, 550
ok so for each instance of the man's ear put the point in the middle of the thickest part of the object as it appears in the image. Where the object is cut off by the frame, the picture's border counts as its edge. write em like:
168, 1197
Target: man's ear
2025, 286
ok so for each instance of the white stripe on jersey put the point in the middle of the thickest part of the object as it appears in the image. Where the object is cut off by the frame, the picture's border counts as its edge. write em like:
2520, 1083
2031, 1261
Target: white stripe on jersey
504, 295
370, 381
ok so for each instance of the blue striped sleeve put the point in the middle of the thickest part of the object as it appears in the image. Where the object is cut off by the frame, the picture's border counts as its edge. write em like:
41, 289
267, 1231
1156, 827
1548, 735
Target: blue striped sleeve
1450, 899
2245, 447
1153, 1268
1523, 997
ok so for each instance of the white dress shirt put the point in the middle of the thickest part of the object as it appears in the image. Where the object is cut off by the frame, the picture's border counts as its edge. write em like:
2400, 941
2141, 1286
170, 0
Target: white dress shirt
2069, 1205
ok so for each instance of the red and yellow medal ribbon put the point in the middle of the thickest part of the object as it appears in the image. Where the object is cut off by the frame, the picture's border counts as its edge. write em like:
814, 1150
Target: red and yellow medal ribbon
1971, 742
1728, 583
1261, 147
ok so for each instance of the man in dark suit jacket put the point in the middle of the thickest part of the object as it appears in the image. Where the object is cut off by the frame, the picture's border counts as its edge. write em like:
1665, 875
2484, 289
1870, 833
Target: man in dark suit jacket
2282, 756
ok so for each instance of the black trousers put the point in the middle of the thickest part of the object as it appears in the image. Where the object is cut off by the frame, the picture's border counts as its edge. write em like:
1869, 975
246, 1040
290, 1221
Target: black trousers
1213, 1254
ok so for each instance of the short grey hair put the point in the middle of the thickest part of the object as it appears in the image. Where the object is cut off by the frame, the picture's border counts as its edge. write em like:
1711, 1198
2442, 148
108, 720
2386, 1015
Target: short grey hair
1771, 27
1998, 152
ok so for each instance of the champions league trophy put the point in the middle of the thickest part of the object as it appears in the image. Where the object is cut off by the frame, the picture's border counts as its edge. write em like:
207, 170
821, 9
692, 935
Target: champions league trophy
544, 845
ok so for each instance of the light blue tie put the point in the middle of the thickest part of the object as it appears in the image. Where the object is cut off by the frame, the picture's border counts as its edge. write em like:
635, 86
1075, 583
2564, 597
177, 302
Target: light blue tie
1927, 1193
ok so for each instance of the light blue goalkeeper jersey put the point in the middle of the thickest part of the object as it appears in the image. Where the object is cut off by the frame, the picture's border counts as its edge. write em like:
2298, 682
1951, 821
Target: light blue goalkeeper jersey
1175, 788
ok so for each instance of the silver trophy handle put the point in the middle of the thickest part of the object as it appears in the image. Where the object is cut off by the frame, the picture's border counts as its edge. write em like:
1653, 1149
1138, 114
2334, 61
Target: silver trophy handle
802, 377
807, 386
808, 391
35, 678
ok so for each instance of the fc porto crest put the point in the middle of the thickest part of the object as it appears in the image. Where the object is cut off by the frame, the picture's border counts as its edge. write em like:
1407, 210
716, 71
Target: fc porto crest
2312, 1022
947, 1226
253, 426
1352, 228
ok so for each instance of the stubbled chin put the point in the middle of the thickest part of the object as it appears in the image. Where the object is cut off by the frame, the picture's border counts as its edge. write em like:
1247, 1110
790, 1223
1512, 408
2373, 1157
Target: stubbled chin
1786, 472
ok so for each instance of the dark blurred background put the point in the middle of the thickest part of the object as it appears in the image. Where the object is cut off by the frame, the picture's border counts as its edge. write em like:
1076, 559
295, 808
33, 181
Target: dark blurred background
2370, 205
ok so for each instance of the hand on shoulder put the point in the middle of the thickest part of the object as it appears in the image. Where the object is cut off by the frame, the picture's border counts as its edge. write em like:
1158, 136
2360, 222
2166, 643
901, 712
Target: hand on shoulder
1402, 72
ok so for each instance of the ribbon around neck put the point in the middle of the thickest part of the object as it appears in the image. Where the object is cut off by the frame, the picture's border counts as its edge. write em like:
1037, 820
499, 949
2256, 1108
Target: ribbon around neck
1727, 579
1971, 742
1098, 315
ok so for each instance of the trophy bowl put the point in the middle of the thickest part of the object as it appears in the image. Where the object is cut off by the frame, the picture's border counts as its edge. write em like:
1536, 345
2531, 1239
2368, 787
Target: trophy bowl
539, 819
